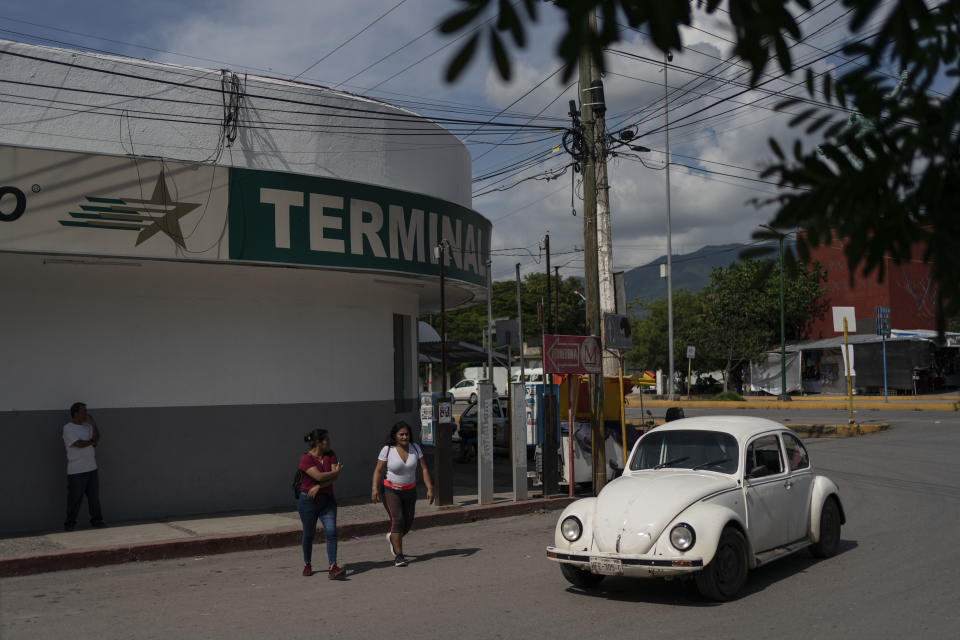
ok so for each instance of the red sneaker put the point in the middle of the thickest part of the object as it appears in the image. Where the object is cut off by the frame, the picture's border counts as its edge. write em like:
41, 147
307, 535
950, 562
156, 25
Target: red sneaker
336, 571
307, 570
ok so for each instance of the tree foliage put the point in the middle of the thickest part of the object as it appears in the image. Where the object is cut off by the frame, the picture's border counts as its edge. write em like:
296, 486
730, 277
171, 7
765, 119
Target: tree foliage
736, 318
885, 180
467, 324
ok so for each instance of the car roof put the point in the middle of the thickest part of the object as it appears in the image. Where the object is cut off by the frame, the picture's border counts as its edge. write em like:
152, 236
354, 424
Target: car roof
740, 427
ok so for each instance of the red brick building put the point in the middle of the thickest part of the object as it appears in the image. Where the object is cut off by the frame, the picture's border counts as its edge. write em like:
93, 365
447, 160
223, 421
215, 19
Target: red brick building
907, 289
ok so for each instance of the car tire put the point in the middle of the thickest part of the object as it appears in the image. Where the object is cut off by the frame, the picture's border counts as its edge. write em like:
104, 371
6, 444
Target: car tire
829, 541
579, 577
473, 398
726, 574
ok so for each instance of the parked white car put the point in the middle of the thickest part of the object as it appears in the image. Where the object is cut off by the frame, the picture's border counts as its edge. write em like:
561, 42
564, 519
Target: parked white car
467, 390
707, 497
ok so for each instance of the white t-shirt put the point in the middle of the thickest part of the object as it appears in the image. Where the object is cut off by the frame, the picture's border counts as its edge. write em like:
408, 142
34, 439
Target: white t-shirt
398, 471
79, 459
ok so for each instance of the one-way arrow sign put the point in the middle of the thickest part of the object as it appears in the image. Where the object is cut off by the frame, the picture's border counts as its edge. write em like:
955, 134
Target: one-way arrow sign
572, 354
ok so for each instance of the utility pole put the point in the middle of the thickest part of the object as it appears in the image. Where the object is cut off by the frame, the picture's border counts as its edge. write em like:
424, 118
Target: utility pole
443, 449
551, 479
520, 326
608, 297
594, 149
556, 295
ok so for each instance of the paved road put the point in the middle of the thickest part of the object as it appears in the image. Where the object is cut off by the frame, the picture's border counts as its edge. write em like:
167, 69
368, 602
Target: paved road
895, 577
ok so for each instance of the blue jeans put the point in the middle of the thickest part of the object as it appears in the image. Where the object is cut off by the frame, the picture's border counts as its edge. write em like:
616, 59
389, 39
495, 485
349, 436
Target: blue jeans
310, 510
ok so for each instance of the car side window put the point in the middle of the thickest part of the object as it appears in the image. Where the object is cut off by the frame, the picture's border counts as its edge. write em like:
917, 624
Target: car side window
496, 410
796, 453
763, 457
470, 412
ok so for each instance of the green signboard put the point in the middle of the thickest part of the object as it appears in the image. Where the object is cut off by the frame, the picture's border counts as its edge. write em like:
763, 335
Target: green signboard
296, 219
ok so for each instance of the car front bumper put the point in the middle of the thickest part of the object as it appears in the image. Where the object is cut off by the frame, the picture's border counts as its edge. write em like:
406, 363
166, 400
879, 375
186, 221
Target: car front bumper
632, 565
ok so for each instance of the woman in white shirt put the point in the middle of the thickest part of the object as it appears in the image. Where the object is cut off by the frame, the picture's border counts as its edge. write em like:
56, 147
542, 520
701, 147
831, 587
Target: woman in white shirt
395, 484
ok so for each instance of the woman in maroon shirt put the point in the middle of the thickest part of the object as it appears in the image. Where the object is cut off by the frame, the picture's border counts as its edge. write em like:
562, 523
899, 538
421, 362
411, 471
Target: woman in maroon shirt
320, 468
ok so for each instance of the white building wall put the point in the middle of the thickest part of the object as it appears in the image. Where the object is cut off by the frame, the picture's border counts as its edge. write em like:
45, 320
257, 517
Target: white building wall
140, 334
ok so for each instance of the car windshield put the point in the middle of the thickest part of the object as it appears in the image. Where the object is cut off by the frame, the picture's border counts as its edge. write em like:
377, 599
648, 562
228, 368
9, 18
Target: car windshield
687, 449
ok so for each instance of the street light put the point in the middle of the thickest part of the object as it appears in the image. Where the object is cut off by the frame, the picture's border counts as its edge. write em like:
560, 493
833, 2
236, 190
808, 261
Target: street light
668, 57
783, 341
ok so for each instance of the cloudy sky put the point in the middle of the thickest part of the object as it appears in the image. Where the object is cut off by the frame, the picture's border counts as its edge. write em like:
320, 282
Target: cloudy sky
389, 49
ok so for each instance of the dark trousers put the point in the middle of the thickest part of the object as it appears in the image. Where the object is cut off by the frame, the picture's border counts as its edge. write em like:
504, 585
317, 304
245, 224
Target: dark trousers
78, 485
401, 505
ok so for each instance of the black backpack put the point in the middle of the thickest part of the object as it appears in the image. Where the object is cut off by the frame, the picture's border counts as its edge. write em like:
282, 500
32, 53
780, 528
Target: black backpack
297, 479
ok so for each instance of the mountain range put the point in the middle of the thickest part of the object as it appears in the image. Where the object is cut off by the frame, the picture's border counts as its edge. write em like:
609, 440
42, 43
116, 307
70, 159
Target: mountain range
691, 271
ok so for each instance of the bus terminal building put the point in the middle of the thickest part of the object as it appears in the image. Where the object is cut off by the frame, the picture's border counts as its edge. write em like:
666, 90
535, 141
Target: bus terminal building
216, 265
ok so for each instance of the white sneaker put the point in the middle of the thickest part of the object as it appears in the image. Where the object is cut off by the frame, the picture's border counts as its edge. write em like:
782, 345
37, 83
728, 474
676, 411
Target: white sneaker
393, 553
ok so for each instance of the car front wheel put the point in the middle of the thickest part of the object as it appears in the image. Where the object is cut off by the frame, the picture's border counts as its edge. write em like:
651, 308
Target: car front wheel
473, 398
726, 574
579, 577
829, 541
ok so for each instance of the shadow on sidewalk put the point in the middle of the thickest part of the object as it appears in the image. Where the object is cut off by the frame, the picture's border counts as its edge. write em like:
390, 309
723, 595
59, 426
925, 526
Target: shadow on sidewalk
364, 566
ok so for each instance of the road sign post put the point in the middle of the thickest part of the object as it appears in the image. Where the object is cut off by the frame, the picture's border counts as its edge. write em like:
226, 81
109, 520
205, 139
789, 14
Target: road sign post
883, 330
845, 319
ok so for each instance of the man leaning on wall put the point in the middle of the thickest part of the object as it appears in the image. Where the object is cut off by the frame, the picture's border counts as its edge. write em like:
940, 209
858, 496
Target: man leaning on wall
80, 437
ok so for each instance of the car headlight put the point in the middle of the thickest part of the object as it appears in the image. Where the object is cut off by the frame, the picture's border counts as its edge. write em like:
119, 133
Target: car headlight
682, 536
571, 529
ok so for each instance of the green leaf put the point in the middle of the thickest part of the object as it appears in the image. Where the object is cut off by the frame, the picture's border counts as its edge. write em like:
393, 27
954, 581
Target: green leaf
810, 78
499, 53
803, 115
775, 147
818, 123
459, 62
461, 19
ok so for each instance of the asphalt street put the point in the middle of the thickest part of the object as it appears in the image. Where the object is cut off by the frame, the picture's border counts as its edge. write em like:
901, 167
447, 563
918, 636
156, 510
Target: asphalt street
895, 575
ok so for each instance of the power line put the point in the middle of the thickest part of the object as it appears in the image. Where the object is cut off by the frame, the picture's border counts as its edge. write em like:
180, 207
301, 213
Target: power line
350, 39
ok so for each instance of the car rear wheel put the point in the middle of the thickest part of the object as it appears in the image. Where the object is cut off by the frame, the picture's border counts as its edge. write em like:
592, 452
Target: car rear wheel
579, 577
726, 574
829, 541
473, 398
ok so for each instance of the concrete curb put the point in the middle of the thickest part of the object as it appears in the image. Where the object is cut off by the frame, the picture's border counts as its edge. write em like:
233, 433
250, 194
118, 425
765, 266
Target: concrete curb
858, 405
203, 546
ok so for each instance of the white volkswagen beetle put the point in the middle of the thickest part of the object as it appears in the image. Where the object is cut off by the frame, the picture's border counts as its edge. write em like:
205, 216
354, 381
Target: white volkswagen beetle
710, 497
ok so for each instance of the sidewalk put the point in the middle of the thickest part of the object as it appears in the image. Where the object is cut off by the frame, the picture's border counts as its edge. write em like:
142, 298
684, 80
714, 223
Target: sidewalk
201, 535
225, 533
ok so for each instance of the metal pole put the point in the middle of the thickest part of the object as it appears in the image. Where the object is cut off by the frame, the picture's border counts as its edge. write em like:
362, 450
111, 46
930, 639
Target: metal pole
885, 367
846, 353
443, 449
570, 417
546, 248
623, 418
666, 114
520, 326
551, 437
443, 328
487, 332
556, 296
783, 334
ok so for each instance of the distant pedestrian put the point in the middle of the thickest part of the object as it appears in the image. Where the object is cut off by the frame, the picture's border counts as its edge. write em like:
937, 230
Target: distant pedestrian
320, 469
80, 437
395, 484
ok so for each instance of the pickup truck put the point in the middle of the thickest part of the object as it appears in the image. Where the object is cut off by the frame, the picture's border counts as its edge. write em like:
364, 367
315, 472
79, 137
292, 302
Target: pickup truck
467, 428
